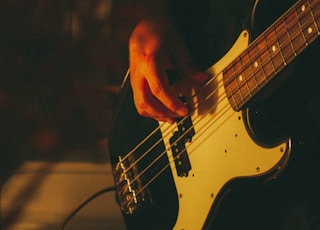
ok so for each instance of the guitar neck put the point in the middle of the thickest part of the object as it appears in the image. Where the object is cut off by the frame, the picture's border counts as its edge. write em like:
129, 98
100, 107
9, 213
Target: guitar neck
271, 52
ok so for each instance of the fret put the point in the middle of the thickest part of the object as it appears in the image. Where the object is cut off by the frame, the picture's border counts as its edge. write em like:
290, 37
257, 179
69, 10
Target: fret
281, 61
250, 71
308, 24
300, 11
248, 74
263, 53
297, 40
229, 87
235, 86
256, 60
242, 78
245, 80
276, 55
305, 20
315, 11
281, 38
293, 51
271, 49
280, 51
306, 27
245, 77
284, 41
271, 52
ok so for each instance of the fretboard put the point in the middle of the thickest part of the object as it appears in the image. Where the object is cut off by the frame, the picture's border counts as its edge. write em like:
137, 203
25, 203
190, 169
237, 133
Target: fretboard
271, 52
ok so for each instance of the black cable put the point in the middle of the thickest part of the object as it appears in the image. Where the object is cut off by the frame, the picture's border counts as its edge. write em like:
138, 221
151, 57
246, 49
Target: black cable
85, 202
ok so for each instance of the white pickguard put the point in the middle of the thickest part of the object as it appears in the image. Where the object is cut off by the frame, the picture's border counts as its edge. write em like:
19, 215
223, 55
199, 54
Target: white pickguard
221, 150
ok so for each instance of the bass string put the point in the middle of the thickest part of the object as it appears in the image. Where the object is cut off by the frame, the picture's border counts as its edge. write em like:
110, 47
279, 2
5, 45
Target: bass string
195, 122
200, 131
168, 130
248, 95
227, 81
153, 132
283, 32
197, 118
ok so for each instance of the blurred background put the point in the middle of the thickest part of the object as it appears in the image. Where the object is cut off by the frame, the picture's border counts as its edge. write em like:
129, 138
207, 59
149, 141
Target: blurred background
61, 66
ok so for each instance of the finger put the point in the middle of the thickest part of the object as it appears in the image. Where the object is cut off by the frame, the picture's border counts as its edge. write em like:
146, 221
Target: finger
159, 87
147, 104
168, 120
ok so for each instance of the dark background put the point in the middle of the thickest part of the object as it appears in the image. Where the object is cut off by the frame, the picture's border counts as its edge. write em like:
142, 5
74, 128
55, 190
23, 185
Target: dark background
61, 66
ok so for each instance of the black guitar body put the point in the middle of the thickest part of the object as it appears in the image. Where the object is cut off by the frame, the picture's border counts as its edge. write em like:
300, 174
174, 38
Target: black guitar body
288, 108
161, 207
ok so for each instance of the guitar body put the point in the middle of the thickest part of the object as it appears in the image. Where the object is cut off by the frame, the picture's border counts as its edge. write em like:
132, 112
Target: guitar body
175, 176
221, 151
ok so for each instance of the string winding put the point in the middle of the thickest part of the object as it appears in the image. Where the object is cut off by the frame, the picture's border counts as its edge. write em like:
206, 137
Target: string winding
223, 82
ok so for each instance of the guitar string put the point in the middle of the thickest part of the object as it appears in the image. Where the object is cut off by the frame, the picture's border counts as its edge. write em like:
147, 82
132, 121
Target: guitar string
167, 133
168, 165
150, 136
165, 130
147, 138
163, 168
196, 121
229, 80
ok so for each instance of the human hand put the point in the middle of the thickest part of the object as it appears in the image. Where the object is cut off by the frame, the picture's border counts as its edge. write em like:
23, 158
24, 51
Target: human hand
154, 48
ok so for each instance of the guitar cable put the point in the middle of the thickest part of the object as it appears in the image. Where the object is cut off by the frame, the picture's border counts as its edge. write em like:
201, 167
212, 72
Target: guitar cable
84, 203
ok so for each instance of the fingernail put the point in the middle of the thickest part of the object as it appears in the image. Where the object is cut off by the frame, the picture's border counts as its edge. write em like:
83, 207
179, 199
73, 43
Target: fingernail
183, 111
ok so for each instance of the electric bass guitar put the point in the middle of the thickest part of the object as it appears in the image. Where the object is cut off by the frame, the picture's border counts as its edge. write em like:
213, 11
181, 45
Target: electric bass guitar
172, 176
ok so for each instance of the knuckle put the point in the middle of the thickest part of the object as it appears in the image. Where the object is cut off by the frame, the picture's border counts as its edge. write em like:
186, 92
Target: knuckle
156, 90
141, 108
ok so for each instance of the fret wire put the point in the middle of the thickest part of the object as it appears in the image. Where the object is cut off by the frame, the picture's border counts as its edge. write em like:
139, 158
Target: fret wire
285, 46
289, 38
280, 50
233, 98
299, 9
309, 21
274, 72
280, 45
237, 85
296, 40
250, 72
318, 18
287, 31
257, 87
228, 89
265, 80
303, 14
244, 77
314, 19
306, 24
266, 57
237, 92
277, 54
309, 25
283, 35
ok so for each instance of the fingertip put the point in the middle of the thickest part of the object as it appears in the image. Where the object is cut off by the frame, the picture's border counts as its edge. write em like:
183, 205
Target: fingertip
200, 77
183, 111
